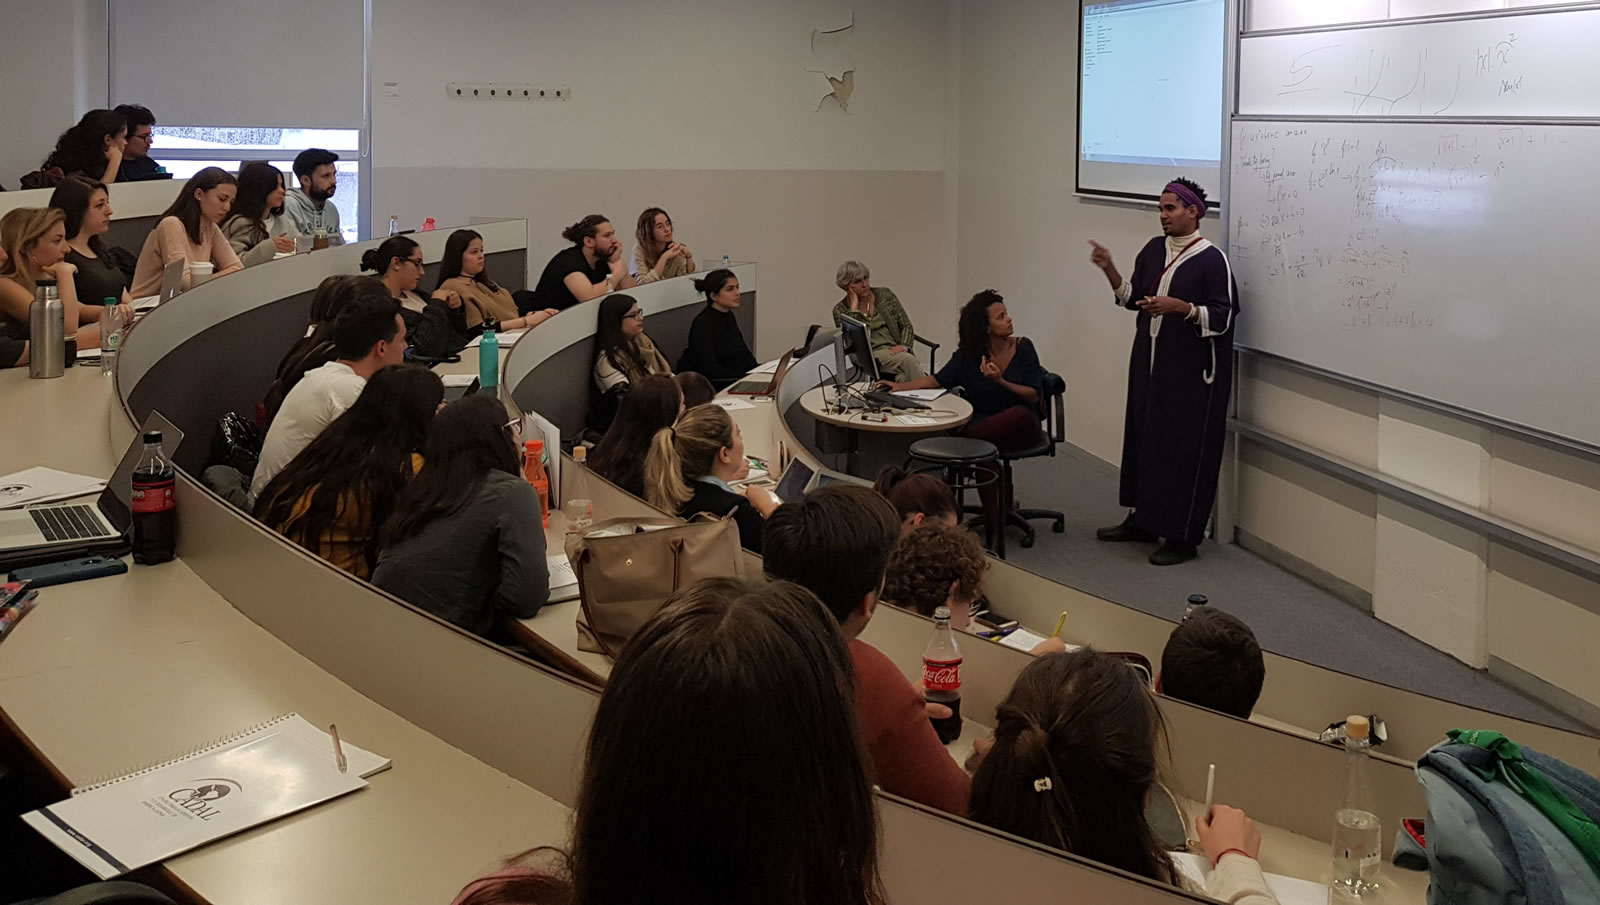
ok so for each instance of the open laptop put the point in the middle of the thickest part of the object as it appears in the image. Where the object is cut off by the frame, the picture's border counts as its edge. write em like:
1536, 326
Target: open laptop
171, 285
762, 387
59, 531
795, 481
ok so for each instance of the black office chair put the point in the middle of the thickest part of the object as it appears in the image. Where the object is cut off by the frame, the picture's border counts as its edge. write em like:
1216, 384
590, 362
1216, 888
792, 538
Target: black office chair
818, 337
110, 892
933, 350
1052, 430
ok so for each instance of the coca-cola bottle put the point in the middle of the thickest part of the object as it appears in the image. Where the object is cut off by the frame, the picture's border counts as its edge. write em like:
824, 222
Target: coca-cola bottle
154, 504
941, 675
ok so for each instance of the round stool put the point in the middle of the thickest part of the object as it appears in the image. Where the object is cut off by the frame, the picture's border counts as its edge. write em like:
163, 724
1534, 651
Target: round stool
967, 464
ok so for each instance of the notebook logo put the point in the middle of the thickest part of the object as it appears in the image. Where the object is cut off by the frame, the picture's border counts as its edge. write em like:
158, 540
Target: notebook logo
14, 489
201, 800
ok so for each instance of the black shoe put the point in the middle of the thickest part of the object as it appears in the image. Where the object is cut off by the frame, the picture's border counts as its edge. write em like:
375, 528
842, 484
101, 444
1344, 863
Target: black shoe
1173, 552
1127, 532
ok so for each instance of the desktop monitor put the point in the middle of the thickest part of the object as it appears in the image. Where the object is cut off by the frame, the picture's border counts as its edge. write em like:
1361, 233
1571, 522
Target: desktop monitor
855, 340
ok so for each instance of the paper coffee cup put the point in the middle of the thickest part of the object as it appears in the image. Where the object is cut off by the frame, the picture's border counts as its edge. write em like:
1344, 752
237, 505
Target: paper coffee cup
200, 271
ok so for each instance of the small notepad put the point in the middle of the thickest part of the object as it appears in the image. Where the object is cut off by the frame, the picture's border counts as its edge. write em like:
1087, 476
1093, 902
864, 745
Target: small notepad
244, 780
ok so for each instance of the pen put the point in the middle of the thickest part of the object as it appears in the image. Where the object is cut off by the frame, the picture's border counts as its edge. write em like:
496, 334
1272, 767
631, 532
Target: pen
1211, 788
338, 750
1060, 624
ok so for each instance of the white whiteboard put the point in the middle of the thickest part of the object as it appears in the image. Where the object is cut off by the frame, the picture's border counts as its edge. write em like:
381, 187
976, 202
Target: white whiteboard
1533, 64
1454, 262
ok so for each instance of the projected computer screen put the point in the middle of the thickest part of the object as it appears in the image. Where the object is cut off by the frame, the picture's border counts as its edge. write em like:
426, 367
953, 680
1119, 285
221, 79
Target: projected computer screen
1150, 95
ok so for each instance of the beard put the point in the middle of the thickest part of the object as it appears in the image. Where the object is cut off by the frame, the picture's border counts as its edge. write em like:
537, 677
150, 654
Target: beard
322, 195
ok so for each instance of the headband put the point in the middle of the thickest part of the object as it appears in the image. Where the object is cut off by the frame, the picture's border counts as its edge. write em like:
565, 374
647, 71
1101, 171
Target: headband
1186, 195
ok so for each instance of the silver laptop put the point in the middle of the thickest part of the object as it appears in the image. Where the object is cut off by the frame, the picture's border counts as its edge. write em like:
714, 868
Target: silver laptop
795, 481
82, 526
171, 285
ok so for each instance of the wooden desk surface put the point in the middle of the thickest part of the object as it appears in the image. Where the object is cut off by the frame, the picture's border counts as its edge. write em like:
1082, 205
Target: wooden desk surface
947, 413
108, 675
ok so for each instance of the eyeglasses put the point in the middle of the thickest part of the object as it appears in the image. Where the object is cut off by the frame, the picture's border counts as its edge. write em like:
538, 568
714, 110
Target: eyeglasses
635, 314
416, 262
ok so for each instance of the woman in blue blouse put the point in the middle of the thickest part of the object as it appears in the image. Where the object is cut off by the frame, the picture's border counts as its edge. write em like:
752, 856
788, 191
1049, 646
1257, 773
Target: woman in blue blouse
998, 372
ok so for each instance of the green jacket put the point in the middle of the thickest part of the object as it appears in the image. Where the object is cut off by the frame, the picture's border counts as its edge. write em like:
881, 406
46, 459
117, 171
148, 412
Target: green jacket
896, 330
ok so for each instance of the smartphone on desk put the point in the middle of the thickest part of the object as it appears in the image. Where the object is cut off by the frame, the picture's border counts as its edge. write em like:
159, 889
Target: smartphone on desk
70, 570
994, 622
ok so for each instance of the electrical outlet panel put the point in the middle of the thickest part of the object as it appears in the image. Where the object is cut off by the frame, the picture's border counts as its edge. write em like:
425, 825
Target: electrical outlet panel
491, 91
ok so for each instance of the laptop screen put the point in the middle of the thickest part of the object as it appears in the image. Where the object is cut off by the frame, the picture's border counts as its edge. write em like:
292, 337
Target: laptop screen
118, 495
793, 484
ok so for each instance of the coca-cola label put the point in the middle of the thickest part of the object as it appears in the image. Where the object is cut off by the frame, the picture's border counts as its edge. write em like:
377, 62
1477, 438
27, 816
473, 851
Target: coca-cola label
153, 497
941, 675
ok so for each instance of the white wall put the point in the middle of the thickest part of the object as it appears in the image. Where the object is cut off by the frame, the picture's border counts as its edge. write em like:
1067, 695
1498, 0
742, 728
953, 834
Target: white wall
53, 70
703, 107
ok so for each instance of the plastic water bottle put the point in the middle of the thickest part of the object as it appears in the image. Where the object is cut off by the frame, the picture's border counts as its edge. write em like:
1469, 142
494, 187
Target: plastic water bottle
724, 262
427, 225
394, 224
1195, 601
489, 356
577, 506
111, 327
1357, 833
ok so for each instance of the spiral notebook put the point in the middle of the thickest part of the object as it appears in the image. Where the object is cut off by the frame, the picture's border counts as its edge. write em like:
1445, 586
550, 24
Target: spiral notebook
244, 780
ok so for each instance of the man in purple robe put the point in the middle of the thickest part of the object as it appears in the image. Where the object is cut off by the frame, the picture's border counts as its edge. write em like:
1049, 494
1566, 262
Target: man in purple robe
1179, 378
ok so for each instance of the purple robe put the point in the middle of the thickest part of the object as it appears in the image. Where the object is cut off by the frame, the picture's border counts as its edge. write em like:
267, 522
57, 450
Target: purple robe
1178, 385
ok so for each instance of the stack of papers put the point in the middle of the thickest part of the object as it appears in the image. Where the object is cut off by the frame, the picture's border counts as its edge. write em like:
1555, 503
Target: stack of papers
507, 339
1024, 640
45, 485
563, 580
924, 395
1289, 890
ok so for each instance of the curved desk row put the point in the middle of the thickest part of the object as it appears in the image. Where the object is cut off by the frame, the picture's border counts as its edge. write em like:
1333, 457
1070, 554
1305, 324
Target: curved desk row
128, 669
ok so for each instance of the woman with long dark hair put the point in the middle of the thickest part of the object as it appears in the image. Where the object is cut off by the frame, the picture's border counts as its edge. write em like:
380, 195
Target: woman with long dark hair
623, 354
739, 800
619, 457
656, 253
334, 496
466, 540
436, 326
91, 148
998, 370
257, 230
716, 347
87, 207
190, 231
1073, 762
464, 272
918, 498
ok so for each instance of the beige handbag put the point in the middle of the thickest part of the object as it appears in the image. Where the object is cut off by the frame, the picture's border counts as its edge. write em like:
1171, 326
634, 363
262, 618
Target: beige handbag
625, 575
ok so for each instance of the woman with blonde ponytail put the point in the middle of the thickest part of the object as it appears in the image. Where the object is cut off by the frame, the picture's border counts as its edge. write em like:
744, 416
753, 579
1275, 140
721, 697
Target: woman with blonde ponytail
1072, 764
691, 467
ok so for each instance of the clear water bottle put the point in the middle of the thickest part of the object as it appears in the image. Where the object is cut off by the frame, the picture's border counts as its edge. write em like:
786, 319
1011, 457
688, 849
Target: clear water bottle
725, 262
111, 328
1357, 833
489, 356
394, 224
577, 506
1195, 601
941, 675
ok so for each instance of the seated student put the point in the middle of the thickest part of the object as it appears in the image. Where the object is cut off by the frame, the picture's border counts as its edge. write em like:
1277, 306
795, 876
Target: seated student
463, 272
306, 205
1074, 760
13, 351
836, 542
189, 232
257, 229
697, 390
716, 348
316, 348
87, 207
888, 328
999, 372
656, 256
623, 354
137, 164
466, 540
92, 148
691, 466
739, 801
333, 497
591, 267
919, 498
437, 325
619, 456
35, 241
1212, 659
368, 335
940, 565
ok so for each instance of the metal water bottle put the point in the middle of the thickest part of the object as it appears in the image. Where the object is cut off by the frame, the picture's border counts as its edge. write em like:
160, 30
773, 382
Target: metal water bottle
47, 331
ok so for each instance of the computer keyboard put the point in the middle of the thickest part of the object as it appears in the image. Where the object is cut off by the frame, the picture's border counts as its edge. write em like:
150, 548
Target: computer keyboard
886, 399
58, 523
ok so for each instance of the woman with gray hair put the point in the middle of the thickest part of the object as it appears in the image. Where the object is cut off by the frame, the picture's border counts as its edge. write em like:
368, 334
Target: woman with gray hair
888, 328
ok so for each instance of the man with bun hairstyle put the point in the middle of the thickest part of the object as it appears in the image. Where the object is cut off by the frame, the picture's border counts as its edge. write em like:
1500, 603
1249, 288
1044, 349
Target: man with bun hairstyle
589, 268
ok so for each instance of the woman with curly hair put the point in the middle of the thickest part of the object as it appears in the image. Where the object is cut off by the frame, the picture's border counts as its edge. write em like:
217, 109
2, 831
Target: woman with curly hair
940, 565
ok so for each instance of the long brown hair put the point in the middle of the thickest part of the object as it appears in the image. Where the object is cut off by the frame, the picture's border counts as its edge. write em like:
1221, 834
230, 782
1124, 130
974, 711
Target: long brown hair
650, 406
645, 235
685, 451
756, 787
1074, 759
20, 230
186, 207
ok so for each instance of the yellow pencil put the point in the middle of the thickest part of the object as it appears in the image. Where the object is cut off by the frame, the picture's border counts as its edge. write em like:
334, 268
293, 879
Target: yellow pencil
1060, 623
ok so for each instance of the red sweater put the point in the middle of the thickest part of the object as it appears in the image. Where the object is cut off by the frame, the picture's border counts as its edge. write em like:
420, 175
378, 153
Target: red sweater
907, 758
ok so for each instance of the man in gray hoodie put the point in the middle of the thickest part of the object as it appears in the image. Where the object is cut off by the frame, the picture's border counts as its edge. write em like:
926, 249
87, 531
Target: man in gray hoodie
307, 206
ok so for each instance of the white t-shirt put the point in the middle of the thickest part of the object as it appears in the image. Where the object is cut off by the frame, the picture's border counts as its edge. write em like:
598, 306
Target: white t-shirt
321, 396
